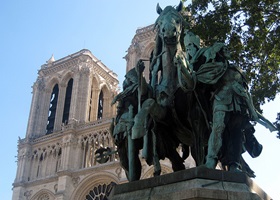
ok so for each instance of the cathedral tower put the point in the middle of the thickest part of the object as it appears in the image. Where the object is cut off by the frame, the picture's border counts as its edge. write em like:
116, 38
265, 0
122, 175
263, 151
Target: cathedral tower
141, 47
69, 120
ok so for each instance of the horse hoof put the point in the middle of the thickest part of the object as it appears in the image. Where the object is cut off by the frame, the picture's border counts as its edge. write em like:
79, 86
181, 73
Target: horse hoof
157, 173
234, 168
211, 163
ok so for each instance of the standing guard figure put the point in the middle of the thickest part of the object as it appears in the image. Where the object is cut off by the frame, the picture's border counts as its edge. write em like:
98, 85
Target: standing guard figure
128, 149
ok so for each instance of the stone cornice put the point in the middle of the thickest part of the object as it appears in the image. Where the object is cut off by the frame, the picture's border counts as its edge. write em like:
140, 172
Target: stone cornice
95, 124
57, 66
64, 173
36, 182
146, 33
143, 34
72, 128
74, 60
107, 75
48, 138
72, 173
145, 29
96, 168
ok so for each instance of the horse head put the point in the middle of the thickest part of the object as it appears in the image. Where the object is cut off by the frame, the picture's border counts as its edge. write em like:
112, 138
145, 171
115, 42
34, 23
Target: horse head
170, 24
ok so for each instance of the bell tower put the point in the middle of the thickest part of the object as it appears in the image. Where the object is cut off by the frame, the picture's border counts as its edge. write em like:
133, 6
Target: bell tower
141, 47
69, 120
77, 88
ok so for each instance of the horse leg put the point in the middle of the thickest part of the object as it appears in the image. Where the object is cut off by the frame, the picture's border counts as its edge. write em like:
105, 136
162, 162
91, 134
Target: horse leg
157, 167
198, 147
176, 160
134, 164
154, 73
149, 107
139, 127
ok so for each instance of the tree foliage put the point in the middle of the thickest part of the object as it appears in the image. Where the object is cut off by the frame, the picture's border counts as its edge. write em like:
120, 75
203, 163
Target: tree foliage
251, 30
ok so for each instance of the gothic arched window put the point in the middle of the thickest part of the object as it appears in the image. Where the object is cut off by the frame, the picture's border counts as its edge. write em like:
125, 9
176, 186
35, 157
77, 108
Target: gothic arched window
89, 148
44, 197
100, 105
52, 110
67, 102
100, 192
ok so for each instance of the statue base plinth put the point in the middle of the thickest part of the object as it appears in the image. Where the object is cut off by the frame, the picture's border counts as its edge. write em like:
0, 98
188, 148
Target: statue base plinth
197, 183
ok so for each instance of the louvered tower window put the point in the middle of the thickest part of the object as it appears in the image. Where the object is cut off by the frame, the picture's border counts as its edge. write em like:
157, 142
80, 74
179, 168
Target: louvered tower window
52, 110
100, 106
67, 102
90, 106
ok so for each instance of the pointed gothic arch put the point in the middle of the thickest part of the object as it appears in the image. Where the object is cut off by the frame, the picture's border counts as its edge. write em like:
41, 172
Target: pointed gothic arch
52, 109
67, 101
93, 99
146, 55
43, 194
100, 105
68, 75
93, 182
50, 84
104, 102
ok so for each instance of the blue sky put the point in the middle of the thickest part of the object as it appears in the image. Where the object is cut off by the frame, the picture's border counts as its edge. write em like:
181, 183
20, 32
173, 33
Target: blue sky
31, 31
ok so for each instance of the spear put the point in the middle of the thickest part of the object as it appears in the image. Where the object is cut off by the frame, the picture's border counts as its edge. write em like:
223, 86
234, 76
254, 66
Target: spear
131, 148
139, 69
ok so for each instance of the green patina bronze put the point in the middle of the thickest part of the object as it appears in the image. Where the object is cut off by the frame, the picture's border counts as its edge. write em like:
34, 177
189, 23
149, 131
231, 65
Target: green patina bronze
195, 98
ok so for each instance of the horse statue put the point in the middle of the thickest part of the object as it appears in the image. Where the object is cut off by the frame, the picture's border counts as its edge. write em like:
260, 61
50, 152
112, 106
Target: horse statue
166, 115
197, 100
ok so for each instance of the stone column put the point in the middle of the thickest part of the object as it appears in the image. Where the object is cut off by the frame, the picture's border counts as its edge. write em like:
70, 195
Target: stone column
23, 163
64, 187
66, 152
44, 105
94, 104
74, 97
33, 114
18, 193
106, 107
39, 108
83, 94
77, 154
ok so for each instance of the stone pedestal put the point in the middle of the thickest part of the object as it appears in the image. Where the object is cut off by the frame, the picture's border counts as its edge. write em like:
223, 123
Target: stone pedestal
197, 183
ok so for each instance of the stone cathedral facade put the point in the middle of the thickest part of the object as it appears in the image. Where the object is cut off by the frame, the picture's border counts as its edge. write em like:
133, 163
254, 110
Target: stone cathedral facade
69, 120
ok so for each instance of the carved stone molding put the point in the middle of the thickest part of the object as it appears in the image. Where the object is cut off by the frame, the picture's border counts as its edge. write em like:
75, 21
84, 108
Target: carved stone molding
119, 172
44, 197
40, 84
28, 194
55, 187
75, 181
